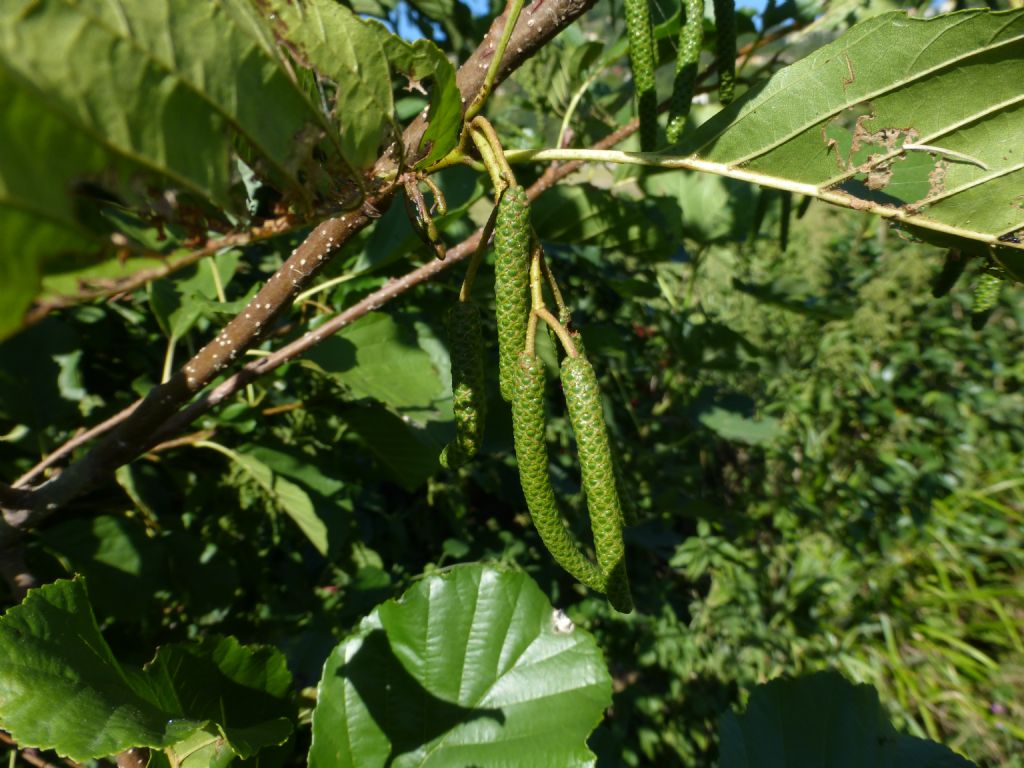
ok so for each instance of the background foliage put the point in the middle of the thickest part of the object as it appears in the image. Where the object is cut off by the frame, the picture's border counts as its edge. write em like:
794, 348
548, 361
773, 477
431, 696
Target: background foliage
825, 460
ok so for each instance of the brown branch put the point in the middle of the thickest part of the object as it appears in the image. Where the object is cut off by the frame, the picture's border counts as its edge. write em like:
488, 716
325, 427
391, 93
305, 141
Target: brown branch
393, 289
134, 432
32, 756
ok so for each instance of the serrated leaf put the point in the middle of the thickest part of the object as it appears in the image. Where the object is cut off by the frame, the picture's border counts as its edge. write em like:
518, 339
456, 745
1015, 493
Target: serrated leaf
349, 51
918, 120
358, 55
467, 668
822, 720
133, 98
61, 687
243, 691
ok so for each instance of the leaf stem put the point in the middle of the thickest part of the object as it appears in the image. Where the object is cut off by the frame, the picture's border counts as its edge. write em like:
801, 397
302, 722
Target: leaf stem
835, 197
513, 9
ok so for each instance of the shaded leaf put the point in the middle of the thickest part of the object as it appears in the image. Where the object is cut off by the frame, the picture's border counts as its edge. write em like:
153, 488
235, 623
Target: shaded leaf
585, 215
285, 494
377, 358
243, 690
822, 721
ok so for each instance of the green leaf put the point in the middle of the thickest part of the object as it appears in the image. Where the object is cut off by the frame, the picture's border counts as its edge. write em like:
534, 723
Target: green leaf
409, 451
377, 358
349, 51
243, 690
418, 61
585, 215
469, 667
743, 429
919, 120
61, 687
124, 567
355, 54
285, 494
822, 721
134, 98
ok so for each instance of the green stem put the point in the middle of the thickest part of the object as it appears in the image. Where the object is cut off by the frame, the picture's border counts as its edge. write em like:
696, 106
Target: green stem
477, 257
514, 7
482, 128
560, 330
563, 310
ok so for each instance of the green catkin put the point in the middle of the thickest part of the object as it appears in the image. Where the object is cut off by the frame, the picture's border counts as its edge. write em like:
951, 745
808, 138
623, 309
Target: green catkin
583, 402
725, 49
641, 62
528, 432
469, 400
986, 295
691, 39
952, 269
511, 281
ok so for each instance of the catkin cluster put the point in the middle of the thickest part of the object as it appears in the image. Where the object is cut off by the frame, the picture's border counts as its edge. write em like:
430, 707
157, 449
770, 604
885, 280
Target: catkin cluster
522, 380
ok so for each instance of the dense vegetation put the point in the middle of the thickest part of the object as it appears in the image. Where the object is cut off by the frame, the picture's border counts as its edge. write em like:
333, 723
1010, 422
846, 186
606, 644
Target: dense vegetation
823, 459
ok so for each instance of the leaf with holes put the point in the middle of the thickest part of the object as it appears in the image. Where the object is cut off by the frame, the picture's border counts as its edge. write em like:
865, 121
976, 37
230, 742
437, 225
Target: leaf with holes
469, 667
921, 121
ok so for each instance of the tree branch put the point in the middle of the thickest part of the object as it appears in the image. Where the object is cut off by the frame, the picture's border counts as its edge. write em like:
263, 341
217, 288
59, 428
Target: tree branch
538, 24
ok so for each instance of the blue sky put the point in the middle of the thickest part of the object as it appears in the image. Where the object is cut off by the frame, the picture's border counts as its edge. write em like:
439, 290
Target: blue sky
480, 7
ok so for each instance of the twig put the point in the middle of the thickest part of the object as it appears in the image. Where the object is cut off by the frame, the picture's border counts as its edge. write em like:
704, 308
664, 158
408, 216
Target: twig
134, 432
32, 756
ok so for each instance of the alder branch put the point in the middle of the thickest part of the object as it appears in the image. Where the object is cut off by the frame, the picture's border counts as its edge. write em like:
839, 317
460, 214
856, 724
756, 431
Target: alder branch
537, 25
392, 290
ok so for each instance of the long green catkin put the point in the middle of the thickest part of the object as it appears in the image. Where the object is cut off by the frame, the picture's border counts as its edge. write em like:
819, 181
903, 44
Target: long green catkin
528, 432
725, 49
583, 402
511, 281
691, 40
469, 399
641, 62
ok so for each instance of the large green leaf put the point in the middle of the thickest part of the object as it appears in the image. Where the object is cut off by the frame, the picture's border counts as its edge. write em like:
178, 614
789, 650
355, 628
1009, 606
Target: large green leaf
61, 687
469, 667
919, 120
134, 98
822, 721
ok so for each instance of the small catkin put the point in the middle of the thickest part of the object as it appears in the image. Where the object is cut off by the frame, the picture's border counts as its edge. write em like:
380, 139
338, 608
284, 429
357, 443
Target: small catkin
583, 402
511, 281
725, 49
691, 40
986, 296
641, 62
528, 431
469, 400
